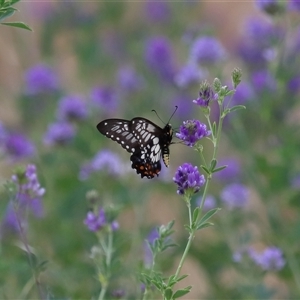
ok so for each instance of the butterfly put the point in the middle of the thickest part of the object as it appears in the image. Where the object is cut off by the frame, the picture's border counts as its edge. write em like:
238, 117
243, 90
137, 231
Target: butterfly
146, 142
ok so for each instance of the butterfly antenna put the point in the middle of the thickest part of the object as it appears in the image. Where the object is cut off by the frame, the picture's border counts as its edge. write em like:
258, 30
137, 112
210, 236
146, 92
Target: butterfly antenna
176, 107
157, 115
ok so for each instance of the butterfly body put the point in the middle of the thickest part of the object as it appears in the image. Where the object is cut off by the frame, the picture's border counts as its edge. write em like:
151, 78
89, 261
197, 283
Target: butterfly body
146, 142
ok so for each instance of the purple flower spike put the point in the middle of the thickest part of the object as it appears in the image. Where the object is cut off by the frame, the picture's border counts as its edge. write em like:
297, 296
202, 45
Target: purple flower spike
188, 179
40, 79
72, 107
206, 94
95, 222
271, 259
207, 50
129, 80
192, 131
105, 98
59, 133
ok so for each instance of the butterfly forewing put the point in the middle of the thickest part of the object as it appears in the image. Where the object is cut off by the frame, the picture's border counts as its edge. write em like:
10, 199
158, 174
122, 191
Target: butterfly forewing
146, 141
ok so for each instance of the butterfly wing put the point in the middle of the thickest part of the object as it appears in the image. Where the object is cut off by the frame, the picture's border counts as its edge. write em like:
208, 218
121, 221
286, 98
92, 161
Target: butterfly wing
145, 140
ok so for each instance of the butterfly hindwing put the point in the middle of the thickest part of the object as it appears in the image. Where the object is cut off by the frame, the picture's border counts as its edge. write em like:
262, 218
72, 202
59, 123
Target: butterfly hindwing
146, 141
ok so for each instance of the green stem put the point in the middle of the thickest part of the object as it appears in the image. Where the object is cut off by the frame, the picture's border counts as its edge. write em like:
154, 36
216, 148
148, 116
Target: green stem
108, 250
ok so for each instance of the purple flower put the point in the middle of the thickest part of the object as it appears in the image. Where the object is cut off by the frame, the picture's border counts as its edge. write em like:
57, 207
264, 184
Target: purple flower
294, 84
17, 146
252, 54
40, 79
71, 108
95, 221
271, 259
148, 257
105, 98
157, 11
207, 50
185, 108
263, 80
235, 195
294, 5
59, 133
159, 56
231, 172
129, 80
189, 74
206, 94
103, 160
118, 294
188, 179
192, 131
295, 182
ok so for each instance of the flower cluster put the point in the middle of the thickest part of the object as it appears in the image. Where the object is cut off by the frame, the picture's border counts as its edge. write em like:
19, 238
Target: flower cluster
188, 179
206, 94
59, 133
192, 131
270, 259
235, 195
95, 221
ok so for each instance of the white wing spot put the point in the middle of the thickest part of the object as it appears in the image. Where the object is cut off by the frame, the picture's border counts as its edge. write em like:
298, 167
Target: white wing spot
155, 140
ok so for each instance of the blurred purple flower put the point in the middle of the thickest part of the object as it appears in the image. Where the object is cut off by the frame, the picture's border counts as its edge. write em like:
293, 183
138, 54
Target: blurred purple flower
17, 146
72, 107
251, 54
105, 98
159, 56
103, 160
243, 94
192, 131
294, 5
157, 11
40, 79
206, 94
269, 6
59, 133
294, 85
188, 74
207, 49
209, 203
129, 80
231, 172
95, 222
188, 179
235, 195
148, 257
295, 182
271, 259
29, 193
185, 108
263, 34
263, 80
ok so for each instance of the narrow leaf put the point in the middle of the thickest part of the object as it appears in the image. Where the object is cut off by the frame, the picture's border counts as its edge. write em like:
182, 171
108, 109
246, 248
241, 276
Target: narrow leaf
213, 164
182, 292
219, 169
204, 225
18, 24
237, 107
214, 129
1, 3
196, 214
168, 294
209, 214
205, 169
182, 277
6, 13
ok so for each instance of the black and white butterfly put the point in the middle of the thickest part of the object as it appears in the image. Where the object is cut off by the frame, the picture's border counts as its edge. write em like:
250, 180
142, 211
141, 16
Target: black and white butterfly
146, 142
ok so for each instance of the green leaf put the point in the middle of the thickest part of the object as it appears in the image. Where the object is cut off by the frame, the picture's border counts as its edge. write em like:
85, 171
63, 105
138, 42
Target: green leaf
1, 3
219, 169
18, 24
182, 277
195, 214
168, 294
214, 129
204, 225
182, 292
6, 13
213, 164
12, 2
205, 169
236, 107
208, 215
